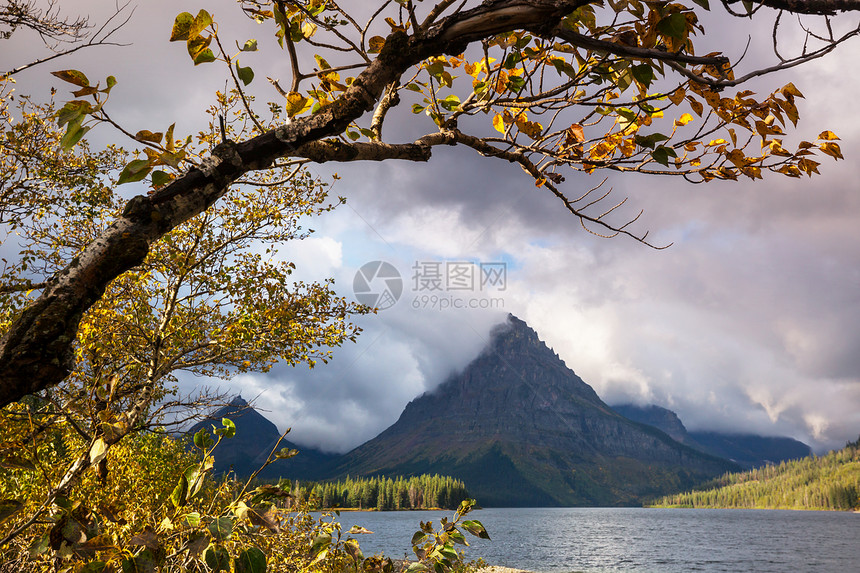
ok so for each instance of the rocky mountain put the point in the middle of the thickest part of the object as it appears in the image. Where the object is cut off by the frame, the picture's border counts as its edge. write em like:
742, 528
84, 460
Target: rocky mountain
747, 450
522, 429
751, 451
660, 418
255, 438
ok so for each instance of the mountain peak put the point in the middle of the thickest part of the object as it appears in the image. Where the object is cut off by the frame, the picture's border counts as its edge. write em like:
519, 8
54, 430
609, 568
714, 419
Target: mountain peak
520, 428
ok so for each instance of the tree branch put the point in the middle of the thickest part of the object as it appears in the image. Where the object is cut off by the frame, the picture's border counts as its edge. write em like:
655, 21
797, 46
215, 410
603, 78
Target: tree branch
812, 7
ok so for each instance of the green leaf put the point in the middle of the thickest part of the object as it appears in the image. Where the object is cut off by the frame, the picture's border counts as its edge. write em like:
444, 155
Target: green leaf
197, 45
450, 103
180, 492
134, 171
93, 567
246, 75
74, 133
673, 26
661, 155
181, 27
161, 178
72, 111
217, 558
418, 537
703, 3
251, 560
111, 82
321, 543
644, 74
39, 545
286, 453
476, 528
352, 135
651, 140
515, 83
202, 20
417, 567
413, 87
193, 519
203, 440
194, 476
221, 528
204, 57
250, 46
417, 108
229, 427
73, 77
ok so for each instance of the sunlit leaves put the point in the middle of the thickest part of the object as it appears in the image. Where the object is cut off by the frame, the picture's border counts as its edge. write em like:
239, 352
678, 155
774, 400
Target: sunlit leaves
190, 29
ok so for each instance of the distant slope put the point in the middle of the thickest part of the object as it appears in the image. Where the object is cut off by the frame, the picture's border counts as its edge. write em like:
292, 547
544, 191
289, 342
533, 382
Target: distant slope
255, 438
828, 482
747, 450
522, 429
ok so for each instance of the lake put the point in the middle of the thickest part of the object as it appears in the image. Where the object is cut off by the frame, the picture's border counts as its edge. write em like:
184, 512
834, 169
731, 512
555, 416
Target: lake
638, 540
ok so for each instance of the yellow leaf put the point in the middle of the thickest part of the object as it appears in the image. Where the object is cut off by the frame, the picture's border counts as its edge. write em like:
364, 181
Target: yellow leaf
828, 135
576, 132
777, 149
714, 142
297, 104
677, 96
98, 451
696, 106
737, 157
832, 149
684, 119
374, 45
499, 123
789, 89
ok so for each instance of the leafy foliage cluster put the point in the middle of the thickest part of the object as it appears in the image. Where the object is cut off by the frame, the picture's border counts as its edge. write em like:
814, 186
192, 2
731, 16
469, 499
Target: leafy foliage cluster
159, 508
829, 482
383, 494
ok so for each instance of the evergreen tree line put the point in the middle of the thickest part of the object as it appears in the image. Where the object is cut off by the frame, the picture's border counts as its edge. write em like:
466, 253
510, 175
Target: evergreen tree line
830, 482
382, 493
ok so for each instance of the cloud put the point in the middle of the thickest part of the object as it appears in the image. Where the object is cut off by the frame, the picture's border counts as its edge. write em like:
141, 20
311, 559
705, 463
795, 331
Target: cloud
747, 323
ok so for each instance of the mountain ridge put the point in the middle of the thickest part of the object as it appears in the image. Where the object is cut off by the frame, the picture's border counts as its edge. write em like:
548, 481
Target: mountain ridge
523, 429
747, 450
518, 426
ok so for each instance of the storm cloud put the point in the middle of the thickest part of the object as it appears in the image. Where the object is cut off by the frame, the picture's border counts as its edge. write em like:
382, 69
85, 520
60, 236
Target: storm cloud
748, 322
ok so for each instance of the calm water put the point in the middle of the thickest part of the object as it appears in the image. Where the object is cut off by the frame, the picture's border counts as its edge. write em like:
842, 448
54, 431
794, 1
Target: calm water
597, 540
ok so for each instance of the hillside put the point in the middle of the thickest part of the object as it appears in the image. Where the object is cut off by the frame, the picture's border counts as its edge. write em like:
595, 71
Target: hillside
255, 438
522, 429
747, 450
828, 482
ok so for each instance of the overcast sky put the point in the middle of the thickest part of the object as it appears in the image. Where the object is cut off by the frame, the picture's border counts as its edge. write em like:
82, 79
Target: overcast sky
748, 323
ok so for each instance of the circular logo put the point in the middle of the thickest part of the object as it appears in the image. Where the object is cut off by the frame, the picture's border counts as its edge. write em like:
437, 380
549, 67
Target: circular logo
377, 284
